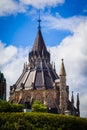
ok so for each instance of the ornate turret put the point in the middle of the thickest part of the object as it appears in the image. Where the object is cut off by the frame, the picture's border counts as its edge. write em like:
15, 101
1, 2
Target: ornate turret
62, 75
63, 89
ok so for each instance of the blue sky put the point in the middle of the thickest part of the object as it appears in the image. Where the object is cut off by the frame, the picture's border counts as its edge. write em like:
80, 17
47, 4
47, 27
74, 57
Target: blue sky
64, 28
20, 29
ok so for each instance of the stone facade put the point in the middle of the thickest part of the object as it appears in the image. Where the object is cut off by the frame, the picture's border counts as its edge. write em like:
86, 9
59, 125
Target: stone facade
39, 81
48, 97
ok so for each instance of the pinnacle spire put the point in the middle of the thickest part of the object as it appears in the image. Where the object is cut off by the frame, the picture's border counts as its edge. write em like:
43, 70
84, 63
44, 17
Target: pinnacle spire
62, 69
39, 46
72, 98
78, 102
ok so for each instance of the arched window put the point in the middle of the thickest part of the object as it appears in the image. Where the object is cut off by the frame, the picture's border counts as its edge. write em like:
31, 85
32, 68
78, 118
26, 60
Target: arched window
49, 100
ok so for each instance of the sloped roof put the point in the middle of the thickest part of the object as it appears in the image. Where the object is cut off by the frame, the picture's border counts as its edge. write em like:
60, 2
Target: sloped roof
39, 44
39, 74
41, 77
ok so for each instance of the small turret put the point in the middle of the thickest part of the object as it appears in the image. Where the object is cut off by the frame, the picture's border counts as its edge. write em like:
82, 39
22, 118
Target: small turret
62, 75
63, 89
78, 104
72, 104
72, 99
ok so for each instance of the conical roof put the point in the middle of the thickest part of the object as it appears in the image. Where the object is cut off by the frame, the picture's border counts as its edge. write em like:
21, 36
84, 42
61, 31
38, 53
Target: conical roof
39, 44
62, 69
39, 73
39, 47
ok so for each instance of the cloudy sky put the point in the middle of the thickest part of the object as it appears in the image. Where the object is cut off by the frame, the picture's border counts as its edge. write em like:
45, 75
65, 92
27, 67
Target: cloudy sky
64, 28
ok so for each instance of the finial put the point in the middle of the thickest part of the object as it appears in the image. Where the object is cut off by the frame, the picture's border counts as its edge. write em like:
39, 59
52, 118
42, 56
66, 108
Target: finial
77, 96
62, 69
62, 59
39, 20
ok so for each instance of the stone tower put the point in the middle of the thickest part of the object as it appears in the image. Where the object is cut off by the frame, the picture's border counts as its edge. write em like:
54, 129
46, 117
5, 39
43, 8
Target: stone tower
2, 87
63, 89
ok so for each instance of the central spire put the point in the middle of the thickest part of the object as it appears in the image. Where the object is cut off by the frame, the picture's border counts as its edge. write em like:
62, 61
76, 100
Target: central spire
39, 44
39, 47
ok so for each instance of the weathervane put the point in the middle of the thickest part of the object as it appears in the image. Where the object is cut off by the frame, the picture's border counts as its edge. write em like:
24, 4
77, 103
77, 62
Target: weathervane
39, 21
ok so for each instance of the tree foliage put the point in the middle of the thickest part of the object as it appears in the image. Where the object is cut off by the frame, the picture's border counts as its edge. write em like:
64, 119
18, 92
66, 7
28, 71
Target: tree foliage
10, 107
40, 121
38, 106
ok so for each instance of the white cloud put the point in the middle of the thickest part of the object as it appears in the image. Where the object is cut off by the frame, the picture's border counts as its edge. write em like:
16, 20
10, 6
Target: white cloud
74, 51
8, 7
11, 63
84, 104
42, 3
6, 53
60, 23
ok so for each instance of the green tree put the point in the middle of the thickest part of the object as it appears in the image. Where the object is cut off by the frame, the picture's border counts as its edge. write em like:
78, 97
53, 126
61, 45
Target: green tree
5, 106
38, 106
16, 107
10, 107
